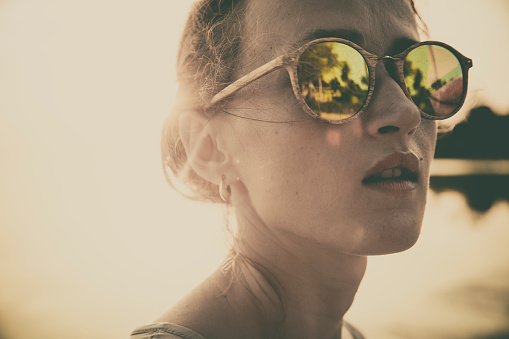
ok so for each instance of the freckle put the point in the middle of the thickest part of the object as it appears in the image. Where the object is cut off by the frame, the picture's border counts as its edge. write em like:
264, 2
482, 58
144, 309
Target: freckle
296, 193
301, 147
276, 132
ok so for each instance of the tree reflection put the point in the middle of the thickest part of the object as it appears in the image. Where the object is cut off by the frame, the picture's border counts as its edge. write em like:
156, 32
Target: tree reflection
333, 79
420, 94
326, 81
439, 97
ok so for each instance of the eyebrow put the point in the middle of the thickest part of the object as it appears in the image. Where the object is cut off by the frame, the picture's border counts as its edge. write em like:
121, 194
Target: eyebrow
347, 34
399, 45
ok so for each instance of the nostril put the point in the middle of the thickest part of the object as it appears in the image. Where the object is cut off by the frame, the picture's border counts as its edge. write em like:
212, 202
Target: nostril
388, 129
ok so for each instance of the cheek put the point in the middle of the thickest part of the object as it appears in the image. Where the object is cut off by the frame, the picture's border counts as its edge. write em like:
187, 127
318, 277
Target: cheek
333, 137
427, 137
276, 160
292, 172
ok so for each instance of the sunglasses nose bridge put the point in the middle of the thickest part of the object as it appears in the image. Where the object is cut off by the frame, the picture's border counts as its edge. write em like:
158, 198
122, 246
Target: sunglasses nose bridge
387, 57
390, 64
388, 61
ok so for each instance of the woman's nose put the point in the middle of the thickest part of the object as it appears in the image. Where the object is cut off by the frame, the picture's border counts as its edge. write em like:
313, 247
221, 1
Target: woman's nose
390, 112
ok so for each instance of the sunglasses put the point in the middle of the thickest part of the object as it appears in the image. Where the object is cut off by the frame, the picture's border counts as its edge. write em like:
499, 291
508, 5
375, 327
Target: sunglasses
333, 79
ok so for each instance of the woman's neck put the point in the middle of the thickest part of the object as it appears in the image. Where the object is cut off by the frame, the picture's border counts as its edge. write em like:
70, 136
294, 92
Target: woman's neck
316, 285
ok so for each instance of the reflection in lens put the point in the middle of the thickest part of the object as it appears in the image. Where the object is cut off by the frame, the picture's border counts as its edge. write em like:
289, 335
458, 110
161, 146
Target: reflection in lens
434, 79
333, 79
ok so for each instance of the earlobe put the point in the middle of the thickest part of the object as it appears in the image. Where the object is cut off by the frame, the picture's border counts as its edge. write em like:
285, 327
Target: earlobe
200, 142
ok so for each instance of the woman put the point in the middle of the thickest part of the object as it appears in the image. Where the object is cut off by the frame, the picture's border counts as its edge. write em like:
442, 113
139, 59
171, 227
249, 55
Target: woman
321, 166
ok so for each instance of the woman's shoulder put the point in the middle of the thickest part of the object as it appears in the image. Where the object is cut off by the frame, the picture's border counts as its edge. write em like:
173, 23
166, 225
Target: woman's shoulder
353, 331
164, 330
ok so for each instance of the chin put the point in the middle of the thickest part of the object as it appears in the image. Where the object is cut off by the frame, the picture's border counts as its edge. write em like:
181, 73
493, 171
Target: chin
396, 244
386, 238
399, 239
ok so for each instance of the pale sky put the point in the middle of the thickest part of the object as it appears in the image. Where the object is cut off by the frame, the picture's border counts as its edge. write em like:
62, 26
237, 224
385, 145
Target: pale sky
84, 210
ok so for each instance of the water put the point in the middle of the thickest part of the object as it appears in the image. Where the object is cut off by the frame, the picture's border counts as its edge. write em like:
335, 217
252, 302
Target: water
482, 182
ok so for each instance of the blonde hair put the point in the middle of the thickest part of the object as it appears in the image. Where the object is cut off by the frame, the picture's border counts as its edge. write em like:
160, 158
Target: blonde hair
209, 46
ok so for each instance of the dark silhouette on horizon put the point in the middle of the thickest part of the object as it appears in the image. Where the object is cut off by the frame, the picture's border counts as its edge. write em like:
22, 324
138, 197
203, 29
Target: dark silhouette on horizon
484, 135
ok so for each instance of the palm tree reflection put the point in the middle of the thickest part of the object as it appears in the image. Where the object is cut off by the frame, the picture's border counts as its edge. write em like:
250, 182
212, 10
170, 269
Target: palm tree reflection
333, 79
434, 79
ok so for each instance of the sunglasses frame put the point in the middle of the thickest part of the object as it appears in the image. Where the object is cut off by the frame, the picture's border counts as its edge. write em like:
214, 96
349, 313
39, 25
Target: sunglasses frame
290, 62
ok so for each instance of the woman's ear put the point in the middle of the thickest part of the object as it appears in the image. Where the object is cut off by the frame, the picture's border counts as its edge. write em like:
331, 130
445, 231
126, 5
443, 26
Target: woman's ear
200, 142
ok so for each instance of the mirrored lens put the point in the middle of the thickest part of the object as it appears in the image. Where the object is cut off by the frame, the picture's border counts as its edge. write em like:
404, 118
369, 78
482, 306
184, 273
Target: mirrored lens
333, 79
434, 79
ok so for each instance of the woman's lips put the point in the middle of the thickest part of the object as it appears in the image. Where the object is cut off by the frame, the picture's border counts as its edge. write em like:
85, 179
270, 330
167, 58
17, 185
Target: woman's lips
392, 185
397, 172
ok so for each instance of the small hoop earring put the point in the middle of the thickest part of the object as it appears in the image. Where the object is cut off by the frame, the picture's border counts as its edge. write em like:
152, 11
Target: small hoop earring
225, 192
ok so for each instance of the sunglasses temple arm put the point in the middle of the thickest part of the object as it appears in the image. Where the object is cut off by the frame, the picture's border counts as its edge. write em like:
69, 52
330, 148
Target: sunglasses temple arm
246, 80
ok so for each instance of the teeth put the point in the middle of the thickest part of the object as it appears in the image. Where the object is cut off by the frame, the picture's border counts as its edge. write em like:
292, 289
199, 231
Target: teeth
391, 173
396, 172
386, 174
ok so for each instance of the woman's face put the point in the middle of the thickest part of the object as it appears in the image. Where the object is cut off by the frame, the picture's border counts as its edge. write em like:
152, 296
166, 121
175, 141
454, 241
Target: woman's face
306, 180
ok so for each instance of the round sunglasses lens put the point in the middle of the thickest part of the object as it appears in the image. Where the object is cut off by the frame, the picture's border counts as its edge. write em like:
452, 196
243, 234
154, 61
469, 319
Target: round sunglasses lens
434, 79
333, 79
